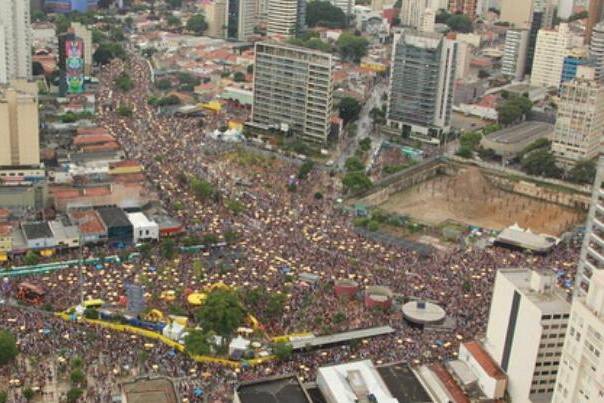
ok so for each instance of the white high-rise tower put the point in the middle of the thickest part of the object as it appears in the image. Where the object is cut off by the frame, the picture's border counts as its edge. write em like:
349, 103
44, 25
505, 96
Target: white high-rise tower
16, 38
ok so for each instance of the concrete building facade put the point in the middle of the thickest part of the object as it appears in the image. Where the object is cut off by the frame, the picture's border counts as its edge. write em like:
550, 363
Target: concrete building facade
216, 13
525, 333
16, 41
241, 18
293, 90
594, 16
596, 49
517, 12
421, 85
580, 118
412, 12
551, 49
19, 138
513, 63
286, 17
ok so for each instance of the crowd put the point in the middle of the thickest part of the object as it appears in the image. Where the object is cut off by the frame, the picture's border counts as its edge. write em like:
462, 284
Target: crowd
278, 228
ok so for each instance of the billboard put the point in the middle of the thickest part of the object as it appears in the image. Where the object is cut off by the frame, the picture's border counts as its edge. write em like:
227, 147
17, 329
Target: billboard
74, 65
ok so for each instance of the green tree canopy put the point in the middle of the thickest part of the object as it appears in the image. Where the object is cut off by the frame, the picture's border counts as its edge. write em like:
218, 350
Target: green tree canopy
583, 172
460, 23
196, 343
173, 21
124, 82
356, 182
197, 24
470, 140
349, 109
352, 47
513, 109
283, 351
107, 52
221, 313
353, 164
8, 347
325, 14
541, 163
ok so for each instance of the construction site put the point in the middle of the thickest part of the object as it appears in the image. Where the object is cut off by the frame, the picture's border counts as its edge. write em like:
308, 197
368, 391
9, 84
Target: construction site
471, 195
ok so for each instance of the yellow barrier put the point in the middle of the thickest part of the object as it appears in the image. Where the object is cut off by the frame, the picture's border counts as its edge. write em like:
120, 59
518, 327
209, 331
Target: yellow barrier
167, 341
288, 337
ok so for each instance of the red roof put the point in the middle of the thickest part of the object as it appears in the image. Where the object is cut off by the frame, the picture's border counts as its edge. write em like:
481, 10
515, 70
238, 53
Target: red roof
129, 178
88, 221
5, 229
110, 146
484, 359
87, 139
452, 387
4, 213
91, 130
124, 163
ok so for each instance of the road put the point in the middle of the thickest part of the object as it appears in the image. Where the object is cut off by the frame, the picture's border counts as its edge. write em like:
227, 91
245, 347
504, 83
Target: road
365, 126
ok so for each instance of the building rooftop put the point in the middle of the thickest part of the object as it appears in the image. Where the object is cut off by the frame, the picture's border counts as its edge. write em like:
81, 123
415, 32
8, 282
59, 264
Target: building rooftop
140, 220
447, 380
113, 217
286, 389
484, 359
37, 230
89, 221
160, 390
524, 132
5, 229
403, 383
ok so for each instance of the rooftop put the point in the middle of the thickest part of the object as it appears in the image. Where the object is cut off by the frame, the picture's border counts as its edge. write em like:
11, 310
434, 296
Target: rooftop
36, 230
526, 131
88, 221
453, 389
286, 389
113, 217
484, 359
158, 390
403, 384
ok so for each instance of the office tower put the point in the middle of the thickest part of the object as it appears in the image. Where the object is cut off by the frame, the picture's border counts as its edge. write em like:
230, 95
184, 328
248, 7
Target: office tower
596, 49
517, 12
67, 6
575, 58
525, 332
412, 12
286, 17
581, 372
71, 63
215, 12
16, 37
463, 59
428, 20
85, 34
241, 18
293, 90
513, 63
580, 118
421, 84
551, 49
262, 7
596, 7
344, 5
19, 139
467, 7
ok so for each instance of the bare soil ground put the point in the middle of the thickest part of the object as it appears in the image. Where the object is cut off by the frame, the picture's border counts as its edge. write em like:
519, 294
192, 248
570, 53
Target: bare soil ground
469, 198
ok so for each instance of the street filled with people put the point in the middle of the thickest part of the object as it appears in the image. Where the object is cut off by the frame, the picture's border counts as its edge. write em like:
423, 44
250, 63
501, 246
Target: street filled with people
280, 228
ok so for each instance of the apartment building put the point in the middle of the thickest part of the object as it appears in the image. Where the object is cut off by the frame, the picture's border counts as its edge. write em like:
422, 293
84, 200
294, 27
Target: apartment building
513, 63
293, 90
19, 138
286, 18
15, 41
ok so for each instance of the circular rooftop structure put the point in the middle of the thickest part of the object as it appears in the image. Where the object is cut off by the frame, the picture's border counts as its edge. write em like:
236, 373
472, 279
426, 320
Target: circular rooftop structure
423, 312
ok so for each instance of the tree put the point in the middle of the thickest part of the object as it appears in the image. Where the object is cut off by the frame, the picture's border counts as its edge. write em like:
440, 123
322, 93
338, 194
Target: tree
173, 21
74, 394
442, 16
28, 394
3, 396
231, 236
174, 3
351, 47
464, 152
283, 351
353, 164
197, 24
470, 140
325, 14
39, 16
168, 248
31, 258
164, 84
356, 182
203, 189
235, 206
69, 117
583, 172
239, 77
460, 23
8, 347
349, 109
378, 115
91, 313
305, 169
365, 144
107, 52
542, 163
222, 313
37, 69
196, 343
124, 110
77, 377
513, 109
124, 82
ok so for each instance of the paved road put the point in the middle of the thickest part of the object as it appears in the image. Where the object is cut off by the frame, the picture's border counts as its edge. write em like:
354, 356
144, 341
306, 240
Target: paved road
365, 126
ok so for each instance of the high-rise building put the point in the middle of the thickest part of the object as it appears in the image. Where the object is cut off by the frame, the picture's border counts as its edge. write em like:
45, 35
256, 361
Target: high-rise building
215, 12
82, 32
596, 8
428, 20
575, 58
581, 372
286, 17
580, 118
513, 63
293, 90
596, 49
565, 8
525, 332
241, 19
71, 63
517, 12
16, 38
19, 138
467, 7
67, 6
421, 84
412, 12
551, 49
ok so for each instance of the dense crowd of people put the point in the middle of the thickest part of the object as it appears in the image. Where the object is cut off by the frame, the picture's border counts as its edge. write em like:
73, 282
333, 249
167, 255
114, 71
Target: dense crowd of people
277, 228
